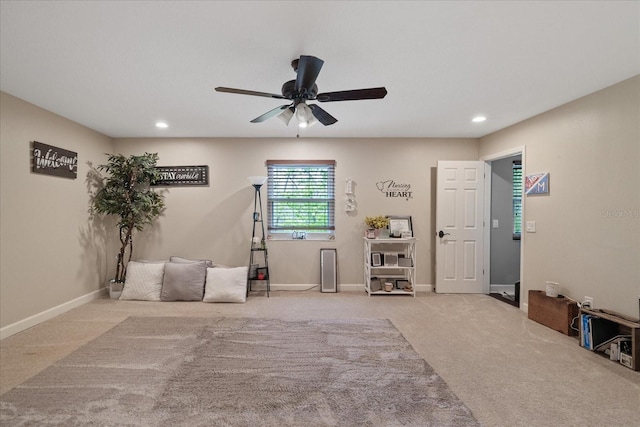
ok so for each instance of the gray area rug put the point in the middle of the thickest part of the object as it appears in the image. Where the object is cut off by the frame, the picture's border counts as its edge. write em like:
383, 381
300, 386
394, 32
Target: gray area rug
170, 371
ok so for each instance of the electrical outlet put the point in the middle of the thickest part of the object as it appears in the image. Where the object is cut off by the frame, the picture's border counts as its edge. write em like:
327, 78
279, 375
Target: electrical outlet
587, 302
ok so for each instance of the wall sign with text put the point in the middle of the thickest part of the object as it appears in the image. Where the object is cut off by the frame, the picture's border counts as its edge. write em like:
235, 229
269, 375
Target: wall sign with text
182, 175
536, 184
50, 160
393, 189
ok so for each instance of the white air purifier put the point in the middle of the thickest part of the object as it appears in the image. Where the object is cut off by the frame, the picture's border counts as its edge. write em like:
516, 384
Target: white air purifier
328, 270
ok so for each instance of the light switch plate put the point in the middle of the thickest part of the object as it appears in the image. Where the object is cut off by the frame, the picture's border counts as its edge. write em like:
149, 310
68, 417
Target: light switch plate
531, 227
496, 224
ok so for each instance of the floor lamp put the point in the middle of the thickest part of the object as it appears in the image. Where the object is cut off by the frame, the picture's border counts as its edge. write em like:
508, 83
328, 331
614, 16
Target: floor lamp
261, 273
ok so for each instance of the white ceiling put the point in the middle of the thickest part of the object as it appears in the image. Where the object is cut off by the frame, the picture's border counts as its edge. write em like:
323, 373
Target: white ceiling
119, 66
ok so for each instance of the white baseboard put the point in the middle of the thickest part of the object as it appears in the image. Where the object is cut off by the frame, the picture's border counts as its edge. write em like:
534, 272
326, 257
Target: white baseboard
30, 321
358, 287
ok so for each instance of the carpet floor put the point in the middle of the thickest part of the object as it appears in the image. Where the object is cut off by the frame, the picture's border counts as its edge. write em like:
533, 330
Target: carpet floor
177, 371
499, 297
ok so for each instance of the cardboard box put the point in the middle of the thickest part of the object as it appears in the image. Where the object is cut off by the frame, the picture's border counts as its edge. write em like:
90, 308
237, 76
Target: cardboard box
554, 312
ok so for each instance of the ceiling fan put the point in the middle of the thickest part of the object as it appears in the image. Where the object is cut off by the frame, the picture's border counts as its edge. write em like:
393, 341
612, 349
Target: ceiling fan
304, 89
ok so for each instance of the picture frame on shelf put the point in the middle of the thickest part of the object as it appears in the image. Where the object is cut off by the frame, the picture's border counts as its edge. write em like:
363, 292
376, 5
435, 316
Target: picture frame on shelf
376, 259
390, 259
404, 261
402, 284
375, 285
400, 226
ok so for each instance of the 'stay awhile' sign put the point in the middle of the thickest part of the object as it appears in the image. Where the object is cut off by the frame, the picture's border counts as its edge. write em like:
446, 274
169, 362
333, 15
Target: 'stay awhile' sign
392, 189
50, 160
182, 175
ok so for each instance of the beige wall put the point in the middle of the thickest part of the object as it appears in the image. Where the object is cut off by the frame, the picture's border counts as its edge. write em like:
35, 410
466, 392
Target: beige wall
215, 221
50, 253
53, 253
588, 227
588, 232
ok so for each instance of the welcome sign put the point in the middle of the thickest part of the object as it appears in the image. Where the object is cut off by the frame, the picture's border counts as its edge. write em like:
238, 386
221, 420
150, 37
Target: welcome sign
50, 160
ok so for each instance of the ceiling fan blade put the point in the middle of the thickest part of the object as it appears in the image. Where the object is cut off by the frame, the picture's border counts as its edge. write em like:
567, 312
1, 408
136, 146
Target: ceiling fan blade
322, 116
270, 114
249, 92
308, 70
353, 95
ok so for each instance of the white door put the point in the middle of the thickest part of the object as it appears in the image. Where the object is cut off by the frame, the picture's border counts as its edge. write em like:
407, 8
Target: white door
459, 237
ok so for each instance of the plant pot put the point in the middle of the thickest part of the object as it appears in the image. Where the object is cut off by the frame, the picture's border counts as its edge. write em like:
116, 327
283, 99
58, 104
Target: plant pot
115, 289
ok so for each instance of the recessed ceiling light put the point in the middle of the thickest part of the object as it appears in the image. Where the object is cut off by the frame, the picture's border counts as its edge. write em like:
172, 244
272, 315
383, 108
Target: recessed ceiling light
478, 119
162, 125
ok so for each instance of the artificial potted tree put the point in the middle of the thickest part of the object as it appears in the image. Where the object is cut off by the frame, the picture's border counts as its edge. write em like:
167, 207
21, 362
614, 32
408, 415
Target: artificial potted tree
126, 193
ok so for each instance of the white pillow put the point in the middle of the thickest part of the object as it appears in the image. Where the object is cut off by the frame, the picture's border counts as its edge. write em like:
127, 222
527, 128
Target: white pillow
143, 281
226, 284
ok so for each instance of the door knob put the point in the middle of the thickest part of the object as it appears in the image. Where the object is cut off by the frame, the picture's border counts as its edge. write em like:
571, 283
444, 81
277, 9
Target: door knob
441, 234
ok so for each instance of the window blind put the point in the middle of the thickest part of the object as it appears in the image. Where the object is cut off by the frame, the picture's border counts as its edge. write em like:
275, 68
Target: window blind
517, 199
301, 196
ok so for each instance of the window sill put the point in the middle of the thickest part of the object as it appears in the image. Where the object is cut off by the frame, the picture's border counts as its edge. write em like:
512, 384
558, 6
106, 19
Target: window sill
286, 237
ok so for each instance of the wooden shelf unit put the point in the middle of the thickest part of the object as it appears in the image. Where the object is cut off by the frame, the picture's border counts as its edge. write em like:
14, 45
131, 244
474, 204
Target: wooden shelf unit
622, 325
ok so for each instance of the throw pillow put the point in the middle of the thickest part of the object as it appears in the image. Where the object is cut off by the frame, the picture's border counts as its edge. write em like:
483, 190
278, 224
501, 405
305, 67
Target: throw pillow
226, 285
183, 281
210, 263
143, 281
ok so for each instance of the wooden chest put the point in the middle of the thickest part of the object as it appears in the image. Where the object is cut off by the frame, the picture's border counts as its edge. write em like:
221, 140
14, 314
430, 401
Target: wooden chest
555, 313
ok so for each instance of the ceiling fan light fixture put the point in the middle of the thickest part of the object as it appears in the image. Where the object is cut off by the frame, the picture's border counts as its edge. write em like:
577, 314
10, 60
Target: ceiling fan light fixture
304, 116
311, 121
301, 113
286, 116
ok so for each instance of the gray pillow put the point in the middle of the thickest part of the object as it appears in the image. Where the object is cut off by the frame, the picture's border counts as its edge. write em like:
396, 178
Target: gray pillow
183, 281
210, 263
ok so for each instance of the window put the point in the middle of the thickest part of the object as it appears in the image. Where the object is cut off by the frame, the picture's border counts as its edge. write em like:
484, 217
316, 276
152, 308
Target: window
301, 198
517, 199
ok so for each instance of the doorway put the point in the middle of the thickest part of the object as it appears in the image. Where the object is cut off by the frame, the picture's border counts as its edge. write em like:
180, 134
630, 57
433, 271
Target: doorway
503, 242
